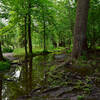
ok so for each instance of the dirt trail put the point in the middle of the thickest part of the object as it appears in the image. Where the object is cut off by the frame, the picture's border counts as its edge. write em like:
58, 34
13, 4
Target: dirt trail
9, 56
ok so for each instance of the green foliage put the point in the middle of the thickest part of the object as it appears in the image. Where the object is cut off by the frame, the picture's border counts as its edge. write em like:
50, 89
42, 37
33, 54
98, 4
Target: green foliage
69, 50
5, 50
57, 49
4, 66
55, 19
80, 97
93, 35
83, 57
59, 17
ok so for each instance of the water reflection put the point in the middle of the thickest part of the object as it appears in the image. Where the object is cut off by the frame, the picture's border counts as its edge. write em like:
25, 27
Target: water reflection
23, 79
0, 88
32, 75
27, 74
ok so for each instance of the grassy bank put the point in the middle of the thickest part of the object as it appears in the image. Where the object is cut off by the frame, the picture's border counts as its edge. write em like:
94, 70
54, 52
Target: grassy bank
21, 51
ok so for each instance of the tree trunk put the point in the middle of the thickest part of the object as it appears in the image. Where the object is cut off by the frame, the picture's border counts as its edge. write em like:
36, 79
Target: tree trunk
25, 35
29, 28
44, 30
1, 56
80, 29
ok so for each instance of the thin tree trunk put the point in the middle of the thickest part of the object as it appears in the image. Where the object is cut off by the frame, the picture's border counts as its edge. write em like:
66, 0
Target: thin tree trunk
29, 29
70, 18
80, 29
44, 36
26, 35
1, 56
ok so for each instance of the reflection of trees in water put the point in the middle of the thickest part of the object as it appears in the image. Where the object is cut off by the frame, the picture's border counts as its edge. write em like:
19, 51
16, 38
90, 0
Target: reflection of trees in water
1, 77
28, 75
25, 79
45, 71
32, 75
0, 89
40, 68
21, 85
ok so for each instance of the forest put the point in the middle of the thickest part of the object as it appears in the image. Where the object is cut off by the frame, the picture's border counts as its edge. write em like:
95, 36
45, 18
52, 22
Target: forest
49, 49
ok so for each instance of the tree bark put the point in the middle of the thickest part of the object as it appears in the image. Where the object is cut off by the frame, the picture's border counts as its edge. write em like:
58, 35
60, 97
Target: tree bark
1, 56
44, 31
80, 29
29, 28
25, 35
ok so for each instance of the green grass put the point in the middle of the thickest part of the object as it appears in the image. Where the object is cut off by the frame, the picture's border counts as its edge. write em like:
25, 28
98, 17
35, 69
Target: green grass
57, 49
4, 66
21, 51
98, 47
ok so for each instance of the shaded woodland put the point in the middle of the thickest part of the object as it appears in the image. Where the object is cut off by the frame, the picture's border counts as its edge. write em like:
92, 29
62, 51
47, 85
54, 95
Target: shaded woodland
49, 49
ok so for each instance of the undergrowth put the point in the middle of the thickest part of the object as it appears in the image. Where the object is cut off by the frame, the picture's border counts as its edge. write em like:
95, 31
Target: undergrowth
4, 65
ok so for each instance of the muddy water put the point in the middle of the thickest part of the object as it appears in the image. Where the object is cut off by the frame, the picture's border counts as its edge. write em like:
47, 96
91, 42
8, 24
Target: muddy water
21, 82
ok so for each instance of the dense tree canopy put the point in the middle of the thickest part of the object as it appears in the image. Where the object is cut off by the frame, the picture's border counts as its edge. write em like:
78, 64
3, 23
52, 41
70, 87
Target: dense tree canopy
45, 24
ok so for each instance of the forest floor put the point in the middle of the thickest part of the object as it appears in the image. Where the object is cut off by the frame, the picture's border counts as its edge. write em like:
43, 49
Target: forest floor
79, 81
71, 81
75, 80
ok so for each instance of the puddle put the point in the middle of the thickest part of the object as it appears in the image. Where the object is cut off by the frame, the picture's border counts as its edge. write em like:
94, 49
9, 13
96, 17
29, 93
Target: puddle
22, 81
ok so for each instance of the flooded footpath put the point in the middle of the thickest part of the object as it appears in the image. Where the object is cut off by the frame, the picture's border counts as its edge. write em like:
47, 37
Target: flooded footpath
41, 78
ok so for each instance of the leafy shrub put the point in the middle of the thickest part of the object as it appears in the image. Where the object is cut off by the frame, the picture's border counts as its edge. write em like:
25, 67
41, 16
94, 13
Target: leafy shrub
4, 65
69, 51
7, 50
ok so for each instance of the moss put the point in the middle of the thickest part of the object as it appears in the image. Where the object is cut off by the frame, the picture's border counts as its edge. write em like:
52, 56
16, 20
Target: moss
80, 97
4, 66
